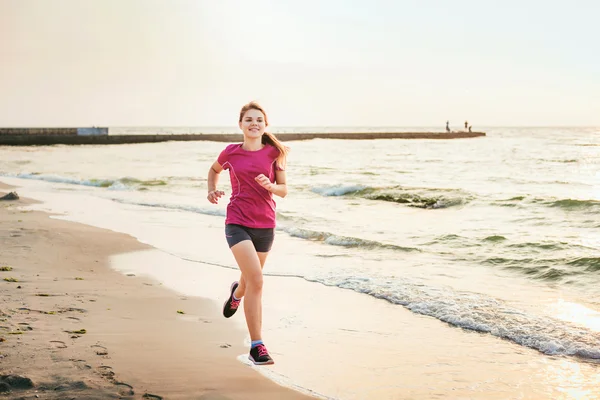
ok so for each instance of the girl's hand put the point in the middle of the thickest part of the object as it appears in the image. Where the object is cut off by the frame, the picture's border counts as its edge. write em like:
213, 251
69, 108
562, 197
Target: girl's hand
264, 182
214, 195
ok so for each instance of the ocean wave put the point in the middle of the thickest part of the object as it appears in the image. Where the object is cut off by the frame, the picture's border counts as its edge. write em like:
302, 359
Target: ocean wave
564, 204
494, 238
511, 200
591, 264
447, 239
574, 204
178, 207
452, 241
340, 190
429, 198
547, 269
480, 313
124, 183
503, 241
559, 160
343, 241
540, 246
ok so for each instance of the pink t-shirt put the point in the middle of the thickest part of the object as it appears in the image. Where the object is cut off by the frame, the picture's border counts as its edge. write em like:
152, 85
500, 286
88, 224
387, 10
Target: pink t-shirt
250, 204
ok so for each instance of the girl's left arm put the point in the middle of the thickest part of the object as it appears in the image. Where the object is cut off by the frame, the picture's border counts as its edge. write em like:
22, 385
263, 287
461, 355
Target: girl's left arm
279, 188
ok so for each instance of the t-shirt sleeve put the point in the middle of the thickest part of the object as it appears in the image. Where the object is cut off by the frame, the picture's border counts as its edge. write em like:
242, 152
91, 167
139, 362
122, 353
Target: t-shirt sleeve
224, 157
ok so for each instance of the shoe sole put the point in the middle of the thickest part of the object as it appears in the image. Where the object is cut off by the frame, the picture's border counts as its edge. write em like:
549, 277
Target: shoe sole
261, 363
231, 289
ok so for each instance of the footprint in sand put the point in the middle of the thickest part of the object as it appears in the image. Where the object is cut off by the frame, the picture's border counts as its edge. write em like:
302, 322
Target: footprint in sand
81, 364
80, 310
151, 396
58, 344
24, 326
102, 350
126, 389
105, 368
106, 372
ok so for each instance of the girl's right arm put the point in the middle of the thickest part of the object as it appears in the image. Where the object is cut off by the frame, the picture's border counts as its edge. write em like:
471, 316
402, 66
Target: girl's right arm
213, 179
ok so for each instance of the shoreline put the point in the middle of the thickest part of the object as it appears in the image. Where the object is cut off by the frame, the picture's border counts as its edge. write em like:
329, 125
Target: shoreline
20, 137
76, 327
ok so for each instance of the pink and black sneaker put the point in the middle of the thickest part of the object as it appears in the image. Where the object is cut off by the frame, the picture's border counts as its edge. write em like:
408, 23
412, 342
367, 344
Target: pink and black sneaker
231, 305
260, 356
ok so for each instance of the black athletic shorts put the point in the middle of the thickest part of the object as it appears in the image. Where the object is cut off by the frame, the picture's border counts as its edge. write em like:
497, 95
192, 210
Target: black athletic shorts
262, 238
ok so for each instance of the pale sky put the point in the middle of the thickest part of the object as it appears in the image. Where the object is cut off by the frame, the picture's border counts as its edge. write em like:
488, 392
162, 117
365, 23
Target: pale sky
310, 62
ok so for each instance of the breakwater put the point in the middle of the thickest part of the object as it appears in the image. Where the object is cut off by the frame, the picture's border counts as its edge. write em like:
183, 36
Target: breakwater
49, 136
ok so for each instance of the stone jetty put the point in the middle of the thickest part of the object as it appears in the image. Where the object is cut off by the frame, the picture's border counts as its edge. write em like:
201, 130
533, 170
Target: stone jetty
49, 136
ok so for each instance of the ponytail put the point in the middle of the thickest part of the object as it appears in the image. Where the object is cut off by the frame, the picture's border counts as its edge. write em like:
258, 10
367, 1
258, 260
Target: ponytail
269, 138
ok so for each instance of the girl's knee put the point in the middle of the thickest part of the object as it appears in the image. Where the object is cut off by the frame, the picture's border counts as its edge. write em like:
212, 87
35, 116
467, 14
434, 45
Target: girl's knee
254, 282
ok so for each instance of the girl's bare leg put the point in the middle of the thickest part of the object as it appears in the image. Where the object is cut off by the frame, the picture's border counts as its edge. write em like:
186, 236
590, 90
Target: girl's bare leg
241, 289
251, 266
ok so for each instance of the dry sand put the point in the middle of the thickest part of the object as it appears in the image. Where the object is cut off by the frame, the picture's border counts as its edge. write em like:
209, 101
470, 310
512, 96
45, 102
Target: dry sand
76, 329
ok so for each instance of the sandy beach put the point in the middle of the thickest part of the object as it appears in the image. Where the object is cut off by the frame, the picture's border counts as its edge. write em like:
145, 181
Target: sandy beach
71, 327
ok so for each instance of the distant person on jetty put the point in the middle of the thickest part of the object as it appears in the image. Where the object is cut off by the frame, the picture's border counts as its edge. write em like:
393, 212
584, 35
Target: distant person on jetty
470, 128
447, 126
257, 171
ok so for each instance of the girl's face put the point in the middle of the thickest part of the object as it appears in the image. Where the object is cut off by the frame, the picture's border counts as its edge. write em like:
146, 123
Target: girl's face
253, 124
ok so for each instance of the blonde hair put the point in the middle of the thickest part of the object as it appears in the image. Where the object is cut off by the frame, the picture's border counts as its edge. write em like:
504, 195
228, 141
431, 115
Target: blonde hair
267, 138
